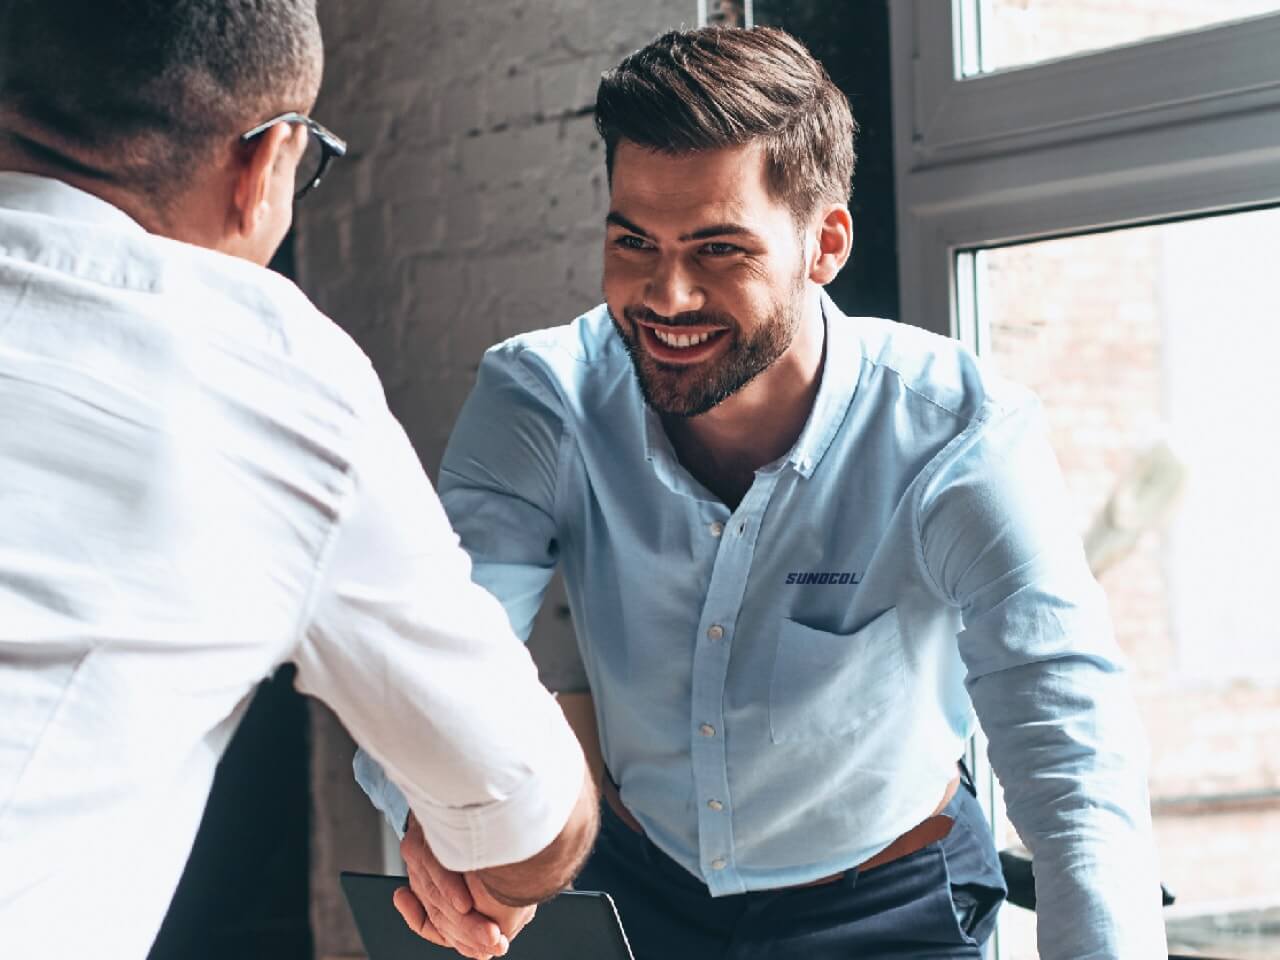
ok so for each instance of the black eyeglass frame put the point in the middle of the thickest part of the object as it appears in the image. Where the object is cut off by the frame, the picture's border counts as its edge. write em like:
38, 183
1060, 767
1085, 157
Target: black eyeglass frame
331, 145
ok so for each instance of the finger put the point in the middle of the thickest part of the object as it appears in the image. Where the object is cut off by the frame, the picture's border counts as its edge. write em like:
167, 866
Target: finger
418, 919
450, 884
417, 853
469, 929
428, 931
415, 916
472, 930
523, 921
425, 890
445, 896
510, 920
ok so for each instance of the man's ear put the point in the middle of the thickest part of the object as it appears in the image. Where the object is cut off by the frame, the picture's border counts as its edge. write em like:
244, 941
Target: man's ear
835, 243
258, 160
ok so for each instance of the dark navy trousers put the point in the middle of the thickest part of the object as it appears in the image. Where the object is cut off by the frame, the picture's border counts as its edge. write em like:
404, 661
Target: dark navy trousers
940, 901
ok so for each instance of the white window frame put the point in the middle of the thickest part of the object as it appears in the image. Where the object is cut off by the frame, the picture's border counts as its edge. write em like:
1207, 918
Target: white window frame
1168, 128
1173, 127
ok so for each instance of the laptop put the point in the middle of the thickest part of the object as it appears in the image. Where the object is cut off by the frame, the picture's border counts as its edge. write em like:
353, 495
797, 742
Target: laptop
576, 924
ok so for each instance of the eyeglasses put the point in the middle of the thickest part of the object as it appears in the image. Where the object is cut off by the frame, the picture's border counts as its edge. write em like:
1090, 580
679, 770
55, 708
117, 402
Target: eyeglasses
322, 147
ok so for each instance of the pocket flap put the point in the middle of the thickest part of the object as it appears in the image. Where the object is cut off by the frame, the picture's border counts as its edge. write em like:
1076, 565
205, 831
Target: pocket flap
828, 684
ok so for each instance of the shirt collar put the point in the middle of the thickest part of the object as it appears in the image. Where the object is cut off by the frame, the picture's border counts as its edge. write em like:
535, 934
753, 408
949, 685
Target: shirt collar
31, 193
841, 369
662, 457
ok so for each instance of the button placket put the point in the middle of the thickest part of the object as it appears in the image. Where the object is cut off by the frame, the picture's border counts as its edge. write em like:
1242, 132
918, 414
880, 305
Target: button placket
724, 597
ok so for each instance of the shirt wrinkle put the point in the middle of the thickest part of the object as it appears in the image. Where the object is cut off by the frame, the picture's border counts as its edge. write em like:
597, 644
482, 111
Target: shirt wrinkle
198, 484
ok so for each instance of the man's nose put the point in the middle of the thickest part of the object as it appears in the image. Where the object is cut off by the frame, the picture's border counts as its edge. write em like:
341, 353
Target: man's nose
671, 290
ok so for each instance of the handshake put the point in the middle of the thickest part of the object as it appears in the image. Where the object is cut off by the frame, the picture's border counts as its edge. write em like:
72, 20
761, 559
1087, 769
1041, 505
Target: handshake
479, 912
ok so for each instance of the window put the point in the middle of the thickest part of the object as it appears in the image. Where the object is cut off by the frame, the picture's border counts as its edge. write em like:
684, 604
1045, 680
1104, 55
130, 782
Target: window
1000, 34
1151, 349
725, 13
1102, 229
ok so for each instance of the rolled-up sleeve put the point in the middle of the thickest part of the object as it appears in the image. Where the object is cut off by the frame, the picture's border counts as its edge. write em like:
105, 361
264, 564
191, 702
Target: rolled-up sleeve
422, 666
1049, 684
498, 484
499, 481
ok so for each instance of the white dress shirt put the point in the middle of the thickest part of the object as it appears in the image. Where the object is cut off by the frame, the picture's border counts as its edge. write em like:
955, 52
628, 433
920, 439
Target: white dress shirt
200, 481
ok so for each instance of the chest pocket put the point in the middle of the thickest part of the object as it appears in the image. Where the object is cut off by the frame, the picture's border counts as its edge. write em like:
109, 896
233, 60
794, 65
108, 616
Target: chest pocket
830, 684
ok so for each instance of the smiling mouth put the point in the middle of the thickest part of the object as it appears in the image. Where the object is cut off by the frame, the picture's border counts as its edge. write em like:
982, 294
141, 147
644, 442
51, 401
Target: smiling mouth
682, 341
680, 346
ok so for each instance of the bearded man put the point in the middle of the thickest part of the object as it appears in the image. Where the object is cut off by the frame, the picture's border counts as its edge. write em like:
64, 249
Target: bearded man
805, 553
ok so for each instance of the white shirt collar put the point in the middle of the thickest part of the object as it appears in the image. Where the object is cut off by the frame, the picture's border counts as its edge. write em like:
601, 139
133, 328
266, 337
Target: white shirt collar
45, 195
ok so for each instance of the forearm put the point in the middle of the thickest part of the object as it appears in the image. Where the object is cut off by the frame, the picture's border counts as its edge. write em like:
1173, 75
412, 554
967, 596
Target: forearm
552, 869
1071, 756
579, 710
1047, 681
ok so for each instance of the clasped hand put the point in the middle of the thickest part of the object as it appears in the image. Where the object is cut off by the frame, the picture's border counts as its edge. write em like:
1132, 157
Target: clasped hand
453, 909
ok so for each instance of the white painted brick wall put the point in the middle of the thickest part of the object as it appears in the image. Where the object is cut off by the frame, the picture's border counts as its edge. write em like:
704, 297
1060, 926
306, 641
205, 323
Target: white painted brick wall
469, 208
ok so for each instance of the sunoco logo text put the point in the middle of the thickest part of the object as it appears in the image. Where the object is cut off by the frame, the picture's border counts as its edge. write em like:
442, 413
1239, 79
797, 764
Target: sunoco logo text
802, 578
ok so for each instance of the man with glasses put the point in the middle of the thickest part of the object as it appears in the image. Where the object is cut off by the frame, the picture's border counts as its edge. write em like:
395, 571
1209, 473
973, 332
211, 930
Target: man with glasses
321, 149
200, 481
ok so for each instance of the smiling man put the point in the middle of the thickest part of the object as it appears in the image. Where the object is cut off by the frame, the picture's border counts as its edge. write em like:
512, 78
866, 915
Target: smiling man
804, 554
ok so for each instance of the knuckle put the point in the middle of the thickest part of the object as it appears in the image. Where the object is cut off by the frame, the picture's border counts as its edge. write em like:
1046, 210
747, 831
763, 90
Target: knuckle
447, 927
437, 902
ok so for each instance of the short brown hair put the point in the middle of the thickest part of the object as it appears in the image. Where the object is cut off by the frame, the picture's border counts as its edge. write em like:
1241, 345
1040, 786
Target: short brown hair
718, 87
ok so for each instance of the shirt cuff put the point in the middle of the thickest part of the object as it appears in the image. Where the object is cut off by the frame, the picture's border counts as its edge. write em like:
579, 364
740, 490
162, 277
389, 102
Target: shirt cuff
521, 824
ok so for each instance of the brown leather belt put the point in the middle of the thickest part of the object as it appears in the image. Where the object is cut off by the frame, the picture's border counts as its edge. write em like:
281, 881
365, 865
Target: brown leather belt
929, 830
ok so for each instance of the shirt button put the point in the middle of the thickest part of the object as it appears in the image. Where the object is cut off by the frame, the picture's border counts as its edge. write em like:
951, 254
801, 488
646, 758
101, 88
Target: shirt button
715, 631
716, 528
718, 863
715, 805
707, 730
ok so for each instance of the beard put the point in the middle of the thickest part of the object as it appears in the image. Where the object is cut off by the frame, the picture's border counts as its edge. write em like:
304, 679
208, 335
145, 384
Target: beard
687, 391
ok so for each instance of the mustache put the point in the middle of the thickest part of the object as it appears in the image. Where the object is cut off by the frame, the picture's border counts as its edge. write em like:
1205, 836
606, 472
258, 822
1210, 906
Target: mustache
692, 318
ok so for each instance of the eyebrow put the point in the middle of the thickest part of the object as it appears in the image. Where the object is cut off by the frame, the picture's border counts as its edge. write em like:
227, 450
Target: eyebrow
702, 233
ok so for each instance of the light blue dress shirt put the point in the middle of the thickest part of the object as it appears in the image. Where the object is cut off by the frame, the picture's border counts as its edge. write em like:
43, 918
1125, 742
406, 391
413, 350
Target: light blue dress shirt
784, 688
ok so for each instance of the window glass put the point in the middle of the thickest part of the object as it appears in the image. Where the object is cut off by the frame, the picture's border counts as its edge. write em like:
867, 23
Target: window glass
1154, 351
1000, 34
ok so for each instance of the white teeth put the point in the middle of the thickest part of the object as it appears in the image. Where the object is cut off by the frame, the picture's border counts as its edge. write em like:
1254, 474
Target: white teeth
681, 340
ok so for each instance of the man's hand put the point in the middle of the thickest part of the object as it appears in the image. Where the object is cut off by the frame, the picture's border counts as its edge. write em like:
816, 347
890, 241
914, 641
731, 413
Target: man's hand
510, 920
439, 905
478, 913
